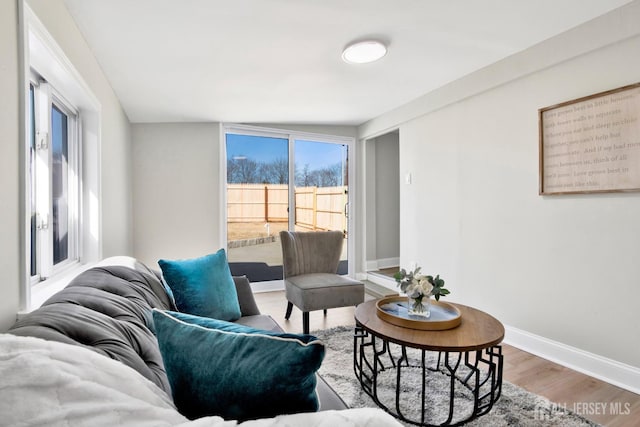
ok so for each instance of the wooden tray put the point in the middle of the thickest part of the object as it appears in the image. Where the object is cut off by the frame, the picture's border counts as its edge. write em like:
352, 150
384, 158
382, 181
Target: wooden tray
394, 310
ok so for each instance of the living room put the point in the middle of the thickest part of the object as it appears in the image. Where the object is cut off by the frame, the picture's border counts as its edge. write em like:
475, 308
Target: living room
558, 271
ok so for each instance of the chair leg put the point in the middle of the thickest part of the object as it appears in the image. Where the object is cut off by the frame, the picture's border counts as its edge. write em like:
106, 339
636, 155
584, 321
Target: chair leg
325, 312
305, 322
289, 308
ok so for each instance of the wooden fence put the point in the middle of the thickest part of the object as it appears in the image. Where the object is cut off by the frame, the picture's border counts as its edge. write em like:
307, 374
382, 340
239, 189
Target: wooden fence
317, 208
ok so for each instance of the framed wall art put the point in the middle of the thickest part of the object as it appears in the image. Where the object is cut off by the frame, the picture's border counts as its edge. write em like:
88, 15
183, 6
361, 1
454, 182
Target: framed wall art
591, 144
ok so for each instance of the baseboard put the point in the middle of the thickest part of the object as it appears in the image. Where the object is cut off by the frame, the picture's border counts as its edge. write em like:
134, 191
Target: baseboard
267, 286
381, 280
361, 276
377, 264
605, 369
376, 291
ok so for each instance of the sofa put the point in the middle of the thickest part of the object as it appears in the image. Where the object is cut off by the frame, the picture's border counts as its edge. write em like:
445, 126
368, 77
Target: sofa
107, 311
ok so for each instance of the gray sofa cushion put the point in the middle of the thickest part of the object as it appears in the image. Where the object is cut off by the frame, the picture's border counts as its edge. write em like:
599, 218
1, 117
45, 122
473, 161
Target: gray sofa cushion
247, 302
106, 309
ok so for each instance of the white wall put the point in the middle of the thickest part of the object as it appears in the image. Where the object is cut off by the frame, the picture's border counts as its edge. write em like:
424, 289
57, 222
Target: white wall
387, 197
561, 267
367, 228
9, 173
381, 183
176, 187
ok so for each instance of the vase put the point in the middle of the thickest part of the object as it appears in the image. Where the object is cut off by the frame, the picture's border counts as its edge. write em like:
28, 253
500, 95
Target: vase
420, 306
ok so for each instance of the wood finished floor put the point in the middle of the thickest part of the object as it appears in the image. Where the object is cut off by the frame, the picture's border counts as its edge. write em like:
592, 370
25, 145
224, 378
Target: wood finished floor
594, 399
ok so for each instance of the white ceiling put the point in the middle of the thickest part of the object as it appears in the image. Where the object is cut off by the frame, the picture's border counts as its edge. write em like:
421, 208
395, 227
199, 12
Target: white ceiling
279, 61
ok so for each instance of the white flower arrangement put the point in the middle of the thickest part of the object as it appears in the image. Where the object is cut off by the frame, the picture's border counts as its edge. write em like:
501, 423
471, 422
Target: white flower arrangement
417, 286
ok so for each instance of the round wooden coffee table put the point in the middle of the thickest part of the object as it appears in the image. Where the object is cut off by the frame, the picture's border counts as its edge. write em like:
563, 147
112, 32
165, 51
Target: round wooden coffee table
467, 358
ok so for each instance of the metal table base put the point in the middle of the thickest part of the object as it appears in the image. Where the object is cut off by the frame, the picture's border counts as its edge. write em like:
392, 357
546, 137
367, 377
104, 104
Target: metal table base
478, 372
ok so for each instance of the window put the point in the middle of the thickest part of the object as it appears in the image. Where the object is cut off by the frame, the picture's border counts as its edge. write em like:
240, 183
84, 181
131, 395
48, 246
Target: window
54, 169
61, 167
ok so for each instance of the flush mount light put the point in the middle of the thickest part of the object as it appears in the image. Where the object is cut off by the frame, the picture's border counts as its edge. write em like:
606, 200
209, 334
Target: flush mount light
364, 52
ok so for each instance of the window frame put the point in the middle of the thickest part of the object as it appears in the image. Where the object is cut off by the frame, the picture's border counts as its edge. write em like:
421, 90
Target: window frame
42, 59
45, 99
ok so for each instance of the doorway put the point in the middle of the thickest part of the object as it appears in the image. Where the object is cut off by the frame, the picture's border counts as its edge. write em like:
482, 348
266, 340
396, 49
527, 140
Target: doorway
282, 181
382, 219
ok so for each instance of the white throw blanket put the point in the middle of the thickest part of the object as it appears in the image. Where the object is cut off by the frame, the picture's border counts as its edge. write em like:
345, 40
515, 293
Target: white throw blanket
55, 384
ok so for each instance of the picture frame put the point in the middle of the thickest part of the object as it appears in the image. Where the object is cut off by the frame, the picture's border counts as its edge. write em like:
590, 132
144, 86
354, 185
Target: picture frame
591, 144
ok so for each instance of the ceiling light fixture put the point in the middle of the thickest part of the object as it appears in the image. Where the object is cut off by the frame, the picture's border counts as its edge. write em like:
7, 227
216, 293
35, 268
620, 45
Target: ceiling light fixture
364, 51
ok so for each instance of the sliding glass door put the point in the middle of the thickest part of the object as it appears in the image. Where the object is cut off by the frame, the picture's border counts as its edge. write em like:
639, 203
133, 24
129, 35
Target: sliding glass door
321, 189
281, 182
257, 204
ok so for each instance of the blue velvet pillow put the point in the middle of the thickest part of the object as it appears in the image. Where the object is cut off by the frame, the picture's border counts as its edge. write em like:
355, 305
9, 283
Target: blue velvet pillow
203, 286
234, 371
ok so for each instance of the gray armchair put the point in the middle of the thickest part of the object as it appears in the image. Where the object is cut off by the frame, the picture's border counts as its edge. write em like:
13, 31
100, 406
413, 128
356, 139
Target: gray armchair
310, 262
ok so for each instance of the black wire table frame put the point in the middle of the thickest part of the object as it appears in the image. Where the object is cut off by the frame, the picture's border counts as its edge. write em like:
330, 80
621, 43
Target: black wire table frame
479, 371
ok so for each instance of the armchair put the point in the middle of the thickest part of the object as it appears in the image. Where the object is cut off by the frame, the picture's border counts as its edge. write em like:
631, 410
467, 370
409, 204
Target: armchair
310, 262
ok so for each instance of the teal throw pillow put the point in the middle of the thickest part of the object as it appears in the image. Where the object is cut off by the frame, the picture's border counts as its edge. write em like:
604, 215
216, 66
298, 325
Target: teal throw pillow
203, 286
234, 371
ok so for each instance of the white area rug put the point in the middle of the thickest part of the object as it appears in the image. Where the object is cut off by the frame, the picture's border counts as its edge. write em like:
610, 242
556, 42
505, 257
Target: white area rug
516, 406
